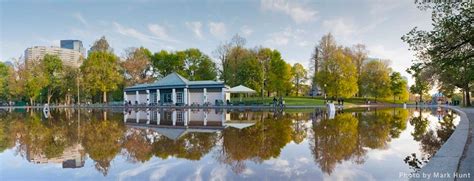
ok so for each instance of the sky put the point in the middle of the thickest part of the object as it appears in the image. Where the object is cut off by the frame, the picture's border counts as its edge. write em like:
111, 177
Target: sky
292, 27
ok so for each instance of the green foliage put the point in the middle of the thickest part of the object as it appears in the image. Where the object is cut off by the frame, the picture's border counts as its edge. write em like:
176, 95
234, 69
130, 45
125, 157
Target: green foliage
101, 45
101, 73
299, 76
398, 86
53, 69
35, 80
4, 76
168, 62
338, 76
422, 85
447, 48
249, 73
375, 79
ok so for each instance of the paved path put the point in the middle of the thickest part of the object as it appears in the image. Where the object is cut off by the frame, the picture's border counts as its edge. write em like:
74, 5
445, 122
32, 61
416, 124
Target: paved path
467, 161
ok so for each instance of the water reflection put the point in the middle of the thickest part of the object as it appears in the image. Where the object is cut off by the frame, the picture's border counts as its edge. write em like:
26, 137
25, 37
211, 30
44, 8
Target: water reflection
234, 139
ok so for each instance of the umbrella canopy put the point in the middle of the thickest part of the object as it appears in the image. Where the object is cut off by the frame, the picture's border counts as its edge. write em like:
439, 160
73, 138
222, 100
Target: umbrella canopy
240, 89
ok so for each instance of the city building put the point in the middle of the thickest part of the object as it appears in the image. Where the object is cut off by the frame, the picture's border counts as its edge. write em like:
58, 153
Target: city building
73, 45
177, 90
69, 57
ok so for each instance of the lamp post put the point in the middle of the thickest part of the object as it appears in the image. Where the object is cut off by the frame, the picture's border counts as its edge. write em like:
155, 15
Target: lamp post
68, 101
325, 97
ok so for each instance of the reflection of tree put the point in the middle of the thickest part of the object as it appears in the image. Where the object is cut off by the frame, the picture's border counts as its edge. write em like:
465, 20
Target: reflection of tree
430, 140
415, 163
334, 141
348, 136
299, 131
262, 141
137, 143
420, 124
102, 141
190, 146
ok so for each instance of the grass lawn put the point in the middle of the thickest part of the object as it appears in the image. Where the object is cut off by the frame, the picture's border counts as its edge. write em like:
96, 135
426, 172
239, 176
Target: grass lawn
308, 101
289, 101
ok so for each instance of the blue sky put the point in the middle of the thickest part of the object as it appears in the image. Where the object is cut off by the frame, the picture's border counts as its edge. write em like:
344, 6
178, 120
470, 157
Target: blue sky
292, 27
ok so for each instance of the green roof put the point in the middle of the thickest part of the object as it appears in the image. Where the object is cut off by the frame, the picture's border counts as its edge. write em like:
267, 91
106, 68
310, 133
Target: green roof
172, 79
175, 79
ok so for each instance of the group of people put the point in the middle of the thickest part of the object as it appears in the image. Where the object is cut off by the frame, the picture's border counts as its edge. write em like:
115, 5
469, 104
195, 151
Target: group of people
278, 102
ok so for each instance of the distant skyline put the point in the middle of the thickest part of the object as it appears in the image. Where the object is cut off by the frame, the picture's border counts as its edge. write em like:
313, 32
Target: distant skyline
292, 27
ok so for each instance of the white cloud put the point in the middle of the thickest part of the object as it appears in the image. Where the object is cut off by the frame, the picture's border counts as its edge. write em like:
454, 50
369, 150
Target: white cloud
286, 36
80, 18
130, 32
340, 27
246, 30
299, 13
218, 29
196, 28
160, 32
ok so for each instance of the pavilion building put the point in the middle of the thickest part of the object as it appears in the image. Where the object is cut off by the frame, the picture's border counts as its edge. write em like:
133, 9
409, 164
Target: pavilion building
177, 90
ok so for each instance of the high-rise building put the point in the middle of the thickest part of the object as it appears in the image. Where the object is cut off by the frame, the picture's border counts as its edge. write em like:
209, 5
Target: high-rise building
73, 45
69, 57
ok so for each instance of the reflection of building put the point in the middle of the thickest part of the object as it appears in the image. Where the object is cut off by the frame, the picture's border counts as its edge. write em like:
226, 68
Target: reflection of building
175, 89
176, 123
72, 157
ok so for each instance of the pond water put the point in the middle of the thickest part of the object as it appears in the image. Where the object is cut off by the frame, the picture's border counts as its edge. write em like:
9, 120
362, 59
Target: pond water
355, 144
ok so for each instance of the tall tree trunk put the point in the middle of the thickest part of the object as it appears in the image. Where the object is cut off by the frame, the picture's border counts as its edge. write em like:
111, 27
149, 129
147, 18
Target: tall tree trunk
105, 97
49, 98
31, 101
468, 96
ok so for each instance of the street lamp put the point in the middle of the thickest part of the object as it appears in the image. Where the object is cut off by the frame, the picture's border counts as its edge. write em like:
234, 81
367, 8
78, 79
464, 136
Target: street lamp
325, 98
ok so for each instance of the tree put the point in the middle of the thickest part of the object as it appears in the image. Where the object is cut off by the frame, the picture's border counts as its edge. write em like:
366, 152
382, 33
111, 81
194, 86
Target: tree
339, 75
422, 84
322, 52
4, 76
199, 66
101, 45
398, 86
249, 73
137, 66
101, 73
359, 55
375, 79
35, 79
168, 62
299, 76
53, 67
448, 47
280, 75
17, 80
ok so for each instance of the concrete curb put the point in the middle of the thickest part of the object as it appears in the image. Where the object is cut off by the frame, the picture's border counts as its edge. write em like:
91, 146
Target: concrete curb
446, 160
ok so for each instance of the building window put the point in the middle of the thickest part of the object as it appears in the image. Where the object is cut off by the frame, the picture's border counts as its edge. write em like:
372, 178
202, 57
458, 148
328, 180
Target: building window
179, 97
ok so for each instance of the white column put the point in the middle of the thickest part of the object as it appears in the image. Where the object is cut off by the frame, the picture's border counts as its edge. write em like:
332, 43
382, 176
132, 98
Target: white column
147, 97
148, 117
136, 116
158, 96
173, 96
205, 95
185, 117
158, 117
125, 98
125, 116
205, 118
223, 96
173, 117
137, 97
223, 116
185, 96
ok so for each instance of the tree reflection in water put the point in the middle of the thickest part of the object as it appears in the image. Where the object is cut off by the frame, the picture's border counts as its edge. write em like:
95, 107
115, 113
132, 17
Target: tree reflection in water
349, 135
102, 136
430, 140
